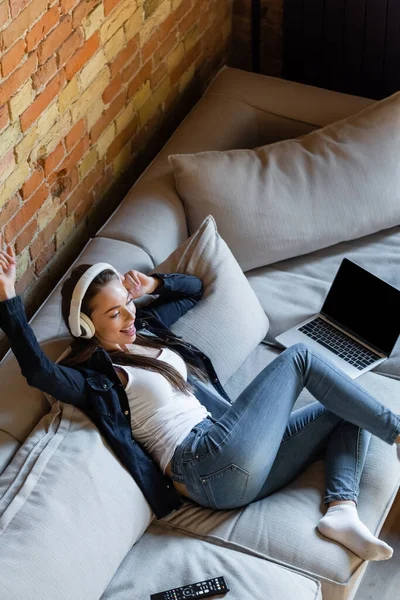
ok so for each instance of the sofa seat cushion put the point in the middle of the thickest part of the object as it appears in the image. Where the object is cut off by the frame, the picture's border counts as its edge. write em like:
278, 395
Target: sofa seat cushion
282, 527
69, 512
294, 289
164, 559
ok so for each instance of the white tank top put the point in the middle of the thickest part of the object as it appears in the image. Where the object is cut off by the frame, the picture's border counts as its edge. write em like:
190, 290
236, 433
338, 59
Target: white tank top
161, 416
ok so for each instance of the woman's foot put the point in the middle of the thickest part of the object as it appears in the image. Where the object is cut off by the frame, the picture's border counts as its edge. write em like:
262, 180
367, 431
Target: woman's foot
342, 524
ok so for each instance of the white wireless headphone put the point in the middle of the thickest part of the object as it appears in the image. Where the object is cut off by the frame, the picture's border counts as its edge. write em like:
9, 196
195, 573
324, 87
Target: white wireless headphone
80, 324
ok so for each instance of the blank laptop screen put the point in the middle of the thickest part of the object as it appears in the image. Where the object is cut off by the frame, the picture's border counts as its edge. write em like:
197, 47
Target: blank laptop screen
364, 305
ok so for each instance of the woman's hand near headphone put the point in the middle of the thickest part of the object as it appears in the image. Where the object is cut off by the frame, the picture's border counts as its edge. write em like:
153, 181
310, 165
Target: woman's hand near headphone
8, 271
139, 284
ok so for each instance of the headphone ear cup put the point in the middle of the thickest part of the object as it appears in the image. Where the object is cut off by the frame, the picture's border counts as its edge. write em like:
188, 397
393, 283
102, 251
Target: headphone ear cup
87, 326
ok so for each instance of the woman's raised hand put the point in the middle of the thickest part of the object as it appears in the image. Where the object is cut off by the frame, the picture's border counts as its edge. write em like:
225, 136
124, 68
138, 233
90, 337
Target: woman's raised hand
8, 271
139, 284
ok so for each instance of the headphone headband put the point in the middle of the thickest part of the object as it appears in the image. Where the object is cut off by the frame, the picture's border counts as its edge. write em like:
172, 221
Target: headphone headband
78, 320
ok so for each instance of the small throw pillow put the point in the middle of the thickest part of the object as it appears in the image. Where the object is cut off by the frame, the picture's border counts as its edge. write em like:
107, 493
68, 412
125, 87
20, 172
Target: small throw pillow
229, 321
337, 183
69, 512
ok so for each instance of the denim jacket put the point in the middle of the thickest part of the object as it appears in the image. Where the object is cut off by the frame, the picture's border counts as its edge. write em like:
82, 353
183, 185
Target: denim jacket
95, 388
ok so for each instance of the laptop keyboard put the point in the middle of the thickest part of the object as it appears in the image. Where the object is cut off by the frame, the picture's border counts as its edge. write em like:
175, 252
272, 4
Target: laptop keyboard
339, 343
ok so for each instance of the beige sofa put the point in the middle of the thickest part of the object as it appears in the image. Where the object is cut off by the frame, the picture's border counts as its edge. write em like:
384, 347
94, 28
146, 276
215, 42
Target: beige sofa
270, 549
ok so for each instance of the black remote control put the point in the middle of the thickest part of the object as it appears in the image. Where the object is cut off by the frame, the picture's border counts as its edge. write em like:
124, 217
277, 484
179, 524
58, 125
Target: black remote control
201, 589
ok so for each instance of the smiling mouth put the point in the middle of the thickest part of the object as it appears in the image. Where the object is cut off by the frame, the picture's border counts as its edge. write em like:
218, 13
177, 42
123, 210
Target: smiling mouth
130, 331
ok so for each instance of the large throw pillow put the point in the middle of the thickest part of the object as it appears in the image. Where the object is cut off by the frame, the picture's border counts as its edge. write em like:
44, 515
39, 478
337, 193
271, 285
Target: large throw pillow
229, 321
69, 512
337, 183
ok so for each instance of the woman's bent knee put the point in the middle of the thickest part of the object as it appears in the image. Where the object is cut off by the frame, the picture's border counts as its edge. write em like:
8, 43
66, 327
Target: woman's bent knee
300, 347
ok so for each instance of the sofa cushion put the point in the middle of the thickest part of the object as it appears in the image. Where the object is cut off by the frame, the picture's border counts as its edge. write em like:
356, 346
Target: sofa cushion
228, 322
69, 512
292, 290
282, 527
286, 199
165, 559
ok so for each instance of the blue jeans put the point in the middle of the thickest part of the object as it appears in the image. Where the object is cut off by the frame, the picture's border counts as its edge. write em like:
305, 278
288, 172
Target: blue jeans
259, 445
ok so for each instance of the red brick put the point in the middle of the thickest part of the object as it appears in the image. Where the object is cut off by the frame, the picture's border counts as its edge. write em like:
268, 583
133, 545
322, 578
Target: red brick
84, 8
167, 26
25, 237
133, 68
45, 73
21, 24
4, 117
42, 101
82, 55
126, 55
25, 281
67, 5
54, 40
32, 183
112, 90
157, 75
109, 5
40, 30
77, 153
83, 207
166, 47
44, 236
107, 116
83, 189
12, 59
29, 208
18, 78
122, 139
45, 257
140, 78
76, 133
4, 16
150, 46
53, 160
9, 210
179, 70
70, 46
183, 9
188, 20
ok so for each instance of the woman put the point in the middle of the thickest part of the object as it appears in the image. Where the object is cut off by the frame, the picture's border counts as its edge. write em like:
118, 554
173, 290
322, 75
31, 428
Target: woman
136, 382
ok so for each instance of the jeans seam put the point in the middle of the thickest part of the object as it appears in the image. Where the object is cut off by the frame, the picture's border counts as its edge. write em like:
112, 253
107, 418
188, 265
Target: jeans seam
358, 455
305, 427
214, 450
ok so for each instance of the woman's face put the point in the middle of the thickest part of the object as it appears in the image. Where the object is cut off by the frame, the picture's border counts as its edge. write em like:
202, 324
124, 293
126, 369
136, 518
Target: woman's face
113, 315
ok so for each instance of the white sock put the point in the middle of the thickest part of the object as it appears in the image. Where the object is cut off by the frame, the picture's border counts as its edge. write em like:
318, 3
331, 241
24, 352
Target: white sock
342, 524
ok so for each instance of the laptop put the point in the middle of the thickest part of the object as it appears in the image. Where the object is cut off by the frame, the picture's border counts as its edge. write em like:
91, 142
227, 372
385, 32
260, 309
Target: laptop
358, 324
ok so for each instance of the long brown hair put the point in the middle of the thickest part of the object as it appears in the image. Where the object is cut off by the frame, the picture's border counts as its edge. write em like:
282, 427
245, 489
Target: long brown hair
82, 349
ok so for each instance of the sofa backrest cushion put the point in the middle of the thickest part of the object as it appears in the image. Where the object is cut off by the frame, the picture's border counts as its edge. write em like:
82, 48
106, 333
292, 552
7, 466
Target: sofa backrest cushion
228, 322
290, 198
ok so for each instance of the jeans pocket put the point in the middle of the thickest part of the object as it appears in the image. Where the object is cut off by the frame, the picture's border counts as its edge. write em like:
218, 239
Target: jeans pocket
226, 487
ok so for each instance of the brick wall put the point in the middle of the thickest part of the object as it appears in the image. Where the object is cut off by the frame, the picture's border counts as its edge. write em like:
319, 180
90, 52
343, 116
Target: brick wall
90, 91
270, 36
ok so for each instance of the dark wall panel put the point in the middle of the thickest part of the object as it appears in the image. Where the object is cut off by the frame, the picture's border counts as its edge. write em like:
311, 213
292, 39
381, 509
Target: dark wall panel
351, 46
